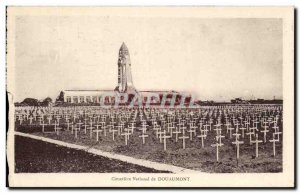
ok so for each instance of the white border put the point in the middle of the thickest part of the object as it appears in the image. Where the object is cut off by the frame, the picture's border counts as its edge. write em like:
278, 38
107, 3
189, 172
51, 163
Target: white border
99, 3
284, 179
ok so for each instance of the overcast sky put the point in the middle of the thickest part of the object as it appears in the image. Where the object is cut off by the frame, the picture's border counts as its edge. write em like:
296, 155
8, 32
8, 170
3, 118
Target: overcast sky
215, 59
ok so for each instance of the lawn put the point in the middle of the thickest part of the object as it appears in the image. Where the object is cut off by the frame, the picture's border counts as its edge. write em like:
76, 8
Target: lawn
192, 157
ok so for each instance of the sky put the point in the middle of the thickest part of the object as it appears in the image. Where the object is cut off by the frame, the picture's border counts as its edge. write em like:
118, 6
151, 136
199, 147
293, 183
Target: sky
213, 59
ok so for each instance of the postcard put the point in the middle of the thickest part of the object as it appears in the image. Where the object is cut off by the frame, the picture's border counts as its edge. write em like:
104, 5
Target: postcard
150, 96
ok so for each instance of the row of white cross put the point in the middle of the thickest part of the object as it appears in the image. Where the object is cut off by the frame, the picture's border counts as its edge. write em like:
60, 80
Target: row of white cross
166, 124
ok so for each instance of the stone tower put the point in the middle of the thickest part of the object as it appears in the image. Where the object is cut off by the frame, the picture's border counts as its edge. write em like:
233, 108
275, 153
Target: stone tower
125, 83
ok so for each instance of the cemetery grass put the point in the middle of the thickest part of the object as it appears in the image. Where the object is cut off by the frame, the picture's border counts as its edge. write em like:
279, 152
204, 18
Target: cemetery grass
35, 156
192, 157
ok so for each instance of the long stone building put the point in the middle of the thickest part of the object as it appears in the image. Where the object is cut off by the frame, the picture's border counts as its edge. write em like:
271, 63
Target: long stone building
124, 88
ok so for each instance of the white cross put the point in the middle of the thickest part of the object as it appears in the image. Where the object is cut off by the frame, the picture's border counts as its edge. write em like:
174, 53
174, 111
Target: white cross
237, 135
68, 125
217, 145
183, 137
96, 126
227, 126
43, 127
156, 129
202, 136
218, 131
143, 136
170, 129
219, 137
79, 124
274, 145
55, 125
265, 131
176, 134
165, 140
97, 131
41, 119
278, 134
104, 129
237, 143
49, 119
230, 131
120, 128
192, 131
237, 125
131, 127
255, 122
256, 144
91, 131
275, 128
160, 135
30, 120
76, 130
205, 128
250, 133
113, 133
72, 125
243, 131
58, 118
247, 124
85, 127
126, 135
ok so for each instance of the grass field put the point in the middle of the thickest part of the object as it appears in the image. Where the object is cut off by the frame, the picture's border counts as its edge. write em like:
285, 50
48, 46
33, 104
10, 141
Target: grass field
34, 156
193, 157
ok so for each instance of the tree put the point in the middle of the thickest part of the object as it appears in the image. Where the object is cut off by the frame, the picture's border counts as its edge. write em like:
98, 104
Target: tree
30, 102
46, 101
60, 97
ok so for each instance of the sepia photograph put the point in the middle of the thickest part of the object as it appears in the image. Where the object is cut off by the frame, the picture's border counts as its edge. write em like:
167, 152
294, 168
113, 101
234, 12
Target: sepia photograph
150, 96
